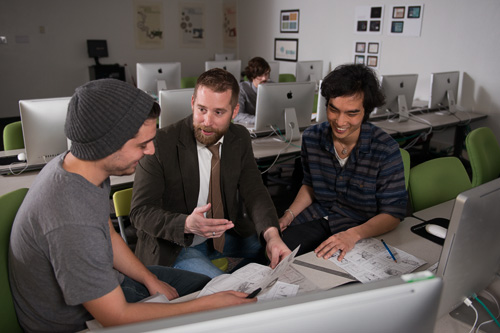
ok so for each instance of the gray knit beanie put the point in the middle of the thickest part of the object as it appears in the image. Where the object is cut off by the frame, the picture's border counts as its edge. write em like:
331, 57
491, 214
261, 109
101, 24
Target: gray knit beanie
103, 115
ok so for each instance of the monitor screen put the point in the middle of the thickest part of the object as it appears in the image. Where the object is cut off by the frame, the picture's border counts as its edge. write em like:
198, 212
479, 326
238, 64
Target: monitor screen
97, 48
444, 91
153, 77
274, 76
43, 128
274, 98
399, 91
390, 305
321, 107
309, 71
470, 257
232, 66
175, 105
224, 56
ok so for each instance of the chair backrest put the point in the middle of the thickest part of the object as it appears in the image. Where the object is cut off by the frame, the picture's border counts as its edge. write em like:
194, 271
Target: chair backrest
121, 201
13, 136
9, 204
287, 77
484, 155
407, 165
436, 181
188, 81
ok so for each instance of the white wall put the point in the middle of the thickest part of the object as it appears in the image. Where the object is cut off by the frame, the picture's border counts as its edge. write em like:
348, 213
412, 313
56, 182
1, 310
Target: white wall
456, 35
54, 63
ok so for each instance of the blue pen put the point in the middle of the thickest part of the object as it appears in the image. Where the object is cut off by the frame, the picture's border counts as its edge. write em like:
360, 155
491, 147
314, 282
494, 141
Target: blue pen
388, 250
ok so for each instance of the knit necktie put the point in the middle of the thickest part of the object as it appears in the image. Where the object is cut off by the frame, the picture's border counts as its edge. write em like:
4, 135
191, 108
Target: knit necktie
214, 194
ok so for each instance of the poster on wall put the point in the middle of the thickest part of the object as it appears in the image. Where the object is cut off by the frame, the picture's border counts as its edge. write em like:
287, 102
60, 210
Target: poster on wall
148, 18
406, 20
192, 25
286, 49
229, 26
369, 20
289, 20
367, 53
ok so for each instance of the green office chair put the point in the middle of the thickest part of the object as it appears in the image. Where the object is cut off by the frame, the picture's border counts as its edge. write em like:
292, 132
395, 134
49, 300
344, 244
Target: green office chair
286, 77
315, 103
484, 155
9, 204
436, 181
407, 165
13, 136
188, 81
121, 201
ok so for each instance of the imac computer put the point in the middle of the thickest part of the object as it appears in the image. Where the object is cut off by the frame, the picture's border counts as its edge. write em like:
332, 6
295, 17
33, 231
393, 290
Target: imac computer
321, 107
399, 91
309, 71
153, 77
285, 106
444, 91
470, 258
224, 56
175, 105
232, 66
391, 305
43, 128
274, 76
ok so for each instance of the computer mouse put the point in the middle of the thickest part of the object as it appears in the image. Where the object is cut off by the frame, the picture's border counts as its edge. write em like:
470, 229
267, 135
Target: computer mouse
436, 230
21, 157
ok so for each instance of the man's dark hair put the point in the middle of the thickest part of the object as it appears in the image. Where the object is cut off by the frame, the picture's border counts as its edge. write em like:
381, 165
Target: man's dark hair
354, 79
155, 111
219, 81
256, 67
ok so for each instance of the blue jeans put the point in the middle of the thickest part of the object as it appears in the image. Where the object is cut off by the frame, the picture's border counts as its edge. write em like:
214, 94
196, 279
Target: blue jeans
184, 282
198, 258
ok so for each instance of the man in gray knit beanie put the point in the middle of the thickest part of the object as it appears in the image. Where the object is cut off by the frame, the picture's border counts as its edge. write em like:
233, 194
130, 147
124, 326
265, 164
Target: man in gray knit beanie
67, 264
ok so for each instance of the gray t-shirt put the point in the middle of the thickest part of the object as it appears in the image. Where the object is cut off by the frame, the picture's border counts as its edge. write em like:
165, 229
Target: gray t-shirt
60, 252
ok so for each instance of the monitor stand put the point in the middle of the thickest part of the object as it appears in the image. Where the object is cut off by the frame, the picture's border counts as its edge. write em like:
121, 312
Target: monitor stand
452, 104
160, 85
467, 316
292, 131
403, 112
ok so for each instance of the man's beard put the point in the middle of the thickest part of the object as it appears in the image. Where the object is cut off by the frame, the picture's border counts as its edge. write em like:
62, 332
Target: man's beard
208, 140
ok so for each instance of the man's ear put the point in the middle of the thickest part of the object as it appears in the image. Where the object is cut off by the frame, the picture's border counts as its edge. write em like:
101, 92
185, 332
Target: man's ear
236, 110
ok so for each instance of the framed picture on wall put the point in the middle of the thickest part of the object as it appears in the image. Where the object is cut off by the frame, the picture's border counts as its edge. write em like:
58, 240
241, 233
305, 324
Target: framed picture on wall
414, 11
360, 47
359, 59
372, 61
286, 49
362, 25
289, 21
373, 48
397, 27
398, 12
374, 25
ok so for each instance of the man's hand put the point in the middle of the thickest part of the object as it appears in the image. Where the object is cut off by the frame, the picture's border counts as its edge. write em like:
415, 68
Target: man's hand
198, 224
285, 221
275, 247
155, 285
343, 241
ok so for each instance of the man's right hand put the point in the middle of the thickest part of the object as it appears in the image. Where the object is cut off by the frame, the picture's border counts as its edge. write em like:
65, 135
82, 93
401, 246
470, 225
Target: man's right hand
198, 224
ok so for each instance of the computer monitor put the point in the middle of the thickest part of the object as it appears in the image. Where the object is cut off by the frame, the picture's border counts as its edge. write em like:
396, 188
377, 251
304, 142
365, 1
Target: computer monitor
175, 105
97, 48
43, 128
391, 305
444, 91
153, 77
309, 71
470, 258
274, 76
399, 91
224, 56
321, 107
281, 104
232, 66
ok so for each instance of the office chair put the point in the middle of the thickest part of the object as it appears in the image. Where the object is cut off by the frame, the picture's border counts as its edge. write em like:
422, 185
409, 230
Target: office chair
9, 204
286, 77
436, 181
13, 136
121, 201
484, 155
406, 162
188, 82
315, 103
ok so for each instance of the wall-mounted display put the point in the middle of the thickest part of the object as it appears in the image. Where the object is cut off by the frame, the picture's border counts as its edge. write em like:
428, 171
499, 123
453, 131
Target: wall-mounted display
289, 21
286, 49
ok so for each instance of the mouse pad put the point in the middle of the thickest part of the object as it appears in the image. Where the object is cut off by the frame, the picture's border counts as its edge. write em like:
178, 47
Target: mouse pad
419, 229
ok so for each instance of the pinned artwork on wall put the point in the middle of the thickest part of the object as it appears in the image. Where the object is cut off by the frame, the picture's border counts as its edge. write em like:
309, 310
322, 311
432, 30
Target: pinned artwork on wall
192, 25
286, 49
148, 18
289, 20
367, 53
406, 20
369, 19
229, 26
